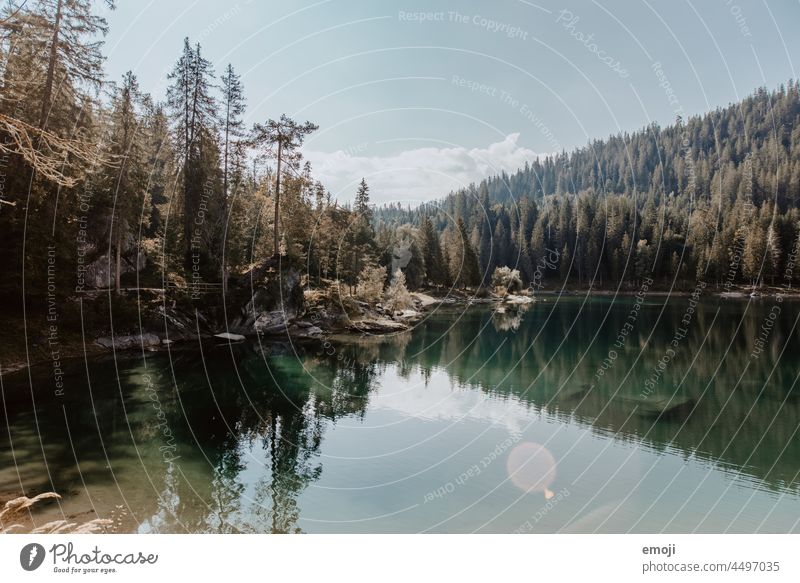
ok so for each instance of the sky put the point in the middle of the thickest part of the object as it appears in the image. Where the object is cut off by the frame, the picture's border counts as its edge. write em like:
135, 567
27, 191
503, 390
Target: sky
424, 97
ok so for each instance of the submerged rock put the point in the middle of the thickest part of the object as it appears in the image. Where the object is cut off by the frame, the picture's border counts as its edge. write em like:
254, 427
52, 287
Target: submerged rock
661, 405
573, 392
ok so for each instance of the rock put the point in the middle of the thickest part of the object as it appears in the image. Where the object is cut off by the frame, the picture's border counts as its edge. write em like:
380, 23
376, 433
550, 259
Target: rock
405, 314
229, 336
269, 300
377, 325
272, 322
100, 272
515, 299
306, 331
130, 341
424, 300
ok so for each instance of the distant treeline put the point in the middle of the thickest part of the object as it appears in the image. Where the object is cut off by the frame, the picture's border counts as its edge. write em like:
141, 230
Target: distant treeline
712, 198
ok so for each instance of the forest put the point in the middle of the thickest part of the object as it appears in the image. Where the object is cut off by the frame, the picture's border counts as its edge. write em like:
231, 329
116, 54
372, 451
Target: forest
105, 187
713, 198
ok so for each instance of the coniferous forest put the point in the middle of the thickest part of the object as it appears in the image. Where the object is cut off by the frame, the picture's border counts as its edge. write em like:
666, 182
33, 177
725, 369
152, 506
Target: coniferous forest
713, 198
215, 322
107, 188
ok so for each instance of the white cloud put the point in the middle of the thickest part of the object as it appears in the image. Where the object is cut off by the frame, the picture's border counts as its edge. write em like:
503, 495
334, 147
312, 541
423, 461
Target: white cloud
416, 175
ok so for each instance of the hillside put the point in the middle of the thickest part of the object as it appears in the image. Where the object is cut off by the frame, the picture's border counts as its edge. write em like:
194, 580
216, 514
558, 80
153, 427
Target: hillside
713, 197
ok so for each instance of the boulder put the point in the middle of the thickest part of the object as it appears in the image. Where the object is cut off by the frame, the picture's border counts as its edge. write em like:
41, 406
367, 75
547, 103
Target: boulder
273, 322
100, 273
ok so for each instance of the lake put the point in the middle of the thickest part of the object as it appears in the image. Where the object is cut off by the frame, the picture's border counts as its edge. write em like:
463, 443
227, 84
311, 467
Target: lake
571, 414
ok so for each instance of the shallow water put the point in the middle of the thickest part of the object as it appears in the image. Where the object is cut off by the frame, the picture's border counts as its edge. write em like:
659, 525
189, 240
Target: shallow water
529, 420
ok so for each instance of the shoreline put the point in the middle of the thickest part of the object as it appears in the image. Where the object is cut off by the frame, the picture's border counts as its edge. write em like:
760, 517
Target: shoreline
373, 324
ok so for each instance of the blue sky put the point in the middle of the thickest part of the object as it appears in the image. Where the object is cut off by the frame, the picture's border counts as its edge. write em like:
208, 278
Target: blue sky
424, 97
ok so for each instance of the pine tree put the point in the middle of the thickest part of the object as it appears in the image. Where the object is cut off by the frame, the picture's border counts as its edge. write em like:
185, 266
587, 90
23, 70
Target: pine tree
435, 267
464, 259
73, 56
281, 138
193, 112
128, 182
232, 125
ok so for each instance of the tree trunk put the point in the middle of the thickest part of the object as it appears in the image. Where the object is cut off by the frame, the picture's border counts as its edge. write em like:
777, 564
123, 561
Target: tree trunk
51, 68
118, 261
276, 247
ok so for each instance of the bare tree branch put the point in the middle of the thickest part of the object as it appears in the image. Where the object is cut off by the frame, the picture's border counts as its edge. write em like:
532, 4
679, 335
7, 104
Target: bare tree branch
57, 159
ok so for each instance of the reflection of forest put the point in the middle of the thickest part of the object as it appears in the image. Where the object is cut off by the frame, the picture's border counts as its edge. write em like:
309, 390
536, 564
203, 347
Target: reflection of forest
248, 426
547, 356
267, 420
258, 413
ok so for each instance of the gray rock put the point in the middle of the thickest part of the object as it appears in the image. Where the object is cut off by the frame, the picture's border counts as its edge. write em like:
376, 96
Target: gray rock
271, 322
100, 272
229, 336
129, 341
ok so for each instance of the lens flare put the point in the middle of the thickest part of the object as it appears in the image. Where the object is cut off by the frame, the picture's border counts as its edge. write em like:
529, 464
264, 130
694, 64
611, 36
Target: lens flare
532, 468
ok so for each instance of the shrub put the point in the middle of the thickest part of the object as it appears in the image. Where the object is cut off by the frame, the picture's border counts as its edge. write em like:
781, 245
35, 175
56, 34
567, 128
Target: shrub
397, 296
506, 279
370, 284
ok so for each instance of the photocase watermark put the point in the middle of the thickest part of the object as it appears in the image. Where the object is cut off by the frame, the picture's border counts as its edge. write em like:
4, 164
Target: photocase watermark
548, 261
169, 450
31, 556
332, 162
741, 22
766, 328
83, 245
543, 511
506, 98
672, 348
197, 240
66, 560
473, 471
738, 245
95, 560
489, 24
768, 323
686, 144
625, 330
53, 342
4, 159
220, 20
569, 21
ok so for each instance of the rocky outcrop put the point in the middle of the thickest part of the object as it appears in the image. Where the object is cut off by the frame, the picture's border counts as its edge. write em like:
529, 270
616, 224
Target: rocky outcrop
100, 273
376, 326
271, 299
125, 342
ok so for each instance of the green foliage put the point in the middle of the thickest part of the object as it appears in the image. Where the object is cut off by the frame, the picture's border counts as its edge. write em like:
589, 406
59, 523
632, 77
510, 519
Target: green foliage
714, 197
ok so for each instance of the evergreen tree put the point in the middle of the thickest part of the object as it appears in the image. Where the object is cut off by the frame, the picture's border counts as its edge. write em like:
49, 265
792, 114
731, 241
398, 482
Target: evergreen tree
232, 125
193, 111
281, 138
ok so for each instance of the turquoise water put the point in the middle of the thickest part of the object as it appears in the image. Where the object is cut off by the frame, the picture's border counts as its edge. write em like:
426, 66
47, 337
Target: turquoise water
540, 418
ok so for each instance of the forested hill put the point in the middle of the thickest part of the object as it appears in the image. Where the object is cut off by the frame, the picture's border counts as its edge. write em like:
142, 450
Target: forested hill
713, 197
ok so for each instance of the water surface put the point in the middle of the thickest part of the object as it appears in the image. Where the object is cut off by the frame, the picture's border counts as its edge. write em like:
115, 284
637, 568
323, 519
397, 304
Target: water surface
542, 418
